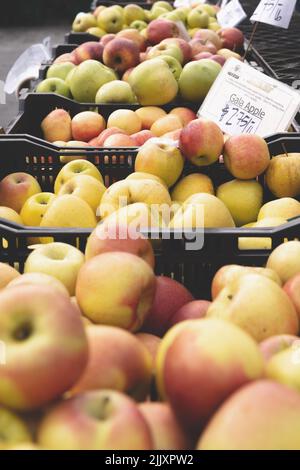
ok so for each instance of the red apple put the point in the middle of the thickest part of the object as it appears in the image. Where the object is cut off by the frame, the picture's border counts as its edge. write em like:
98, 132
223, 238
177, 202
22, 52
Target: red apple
219, 59
232, 38
99, 141
209, 35
107, 38
16, 188
135, 36
170, 296
87, 125
292, 288
68, 57
185, 114
121, 54
198, 46
141, 137
191, 311
119, 140
91, 50
160, 29
184, 46
202, 55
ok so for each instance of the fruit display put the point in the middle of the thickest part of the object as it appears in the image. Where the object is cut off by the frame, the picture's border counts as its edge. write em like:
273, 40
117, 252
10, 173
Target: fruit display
141, 56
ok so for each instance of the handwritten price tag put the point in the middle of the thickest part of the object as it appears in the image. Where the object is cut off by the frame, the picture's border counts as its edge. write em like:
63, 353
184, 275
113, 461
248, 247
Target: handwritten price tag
231, 14
277, 12
243, 100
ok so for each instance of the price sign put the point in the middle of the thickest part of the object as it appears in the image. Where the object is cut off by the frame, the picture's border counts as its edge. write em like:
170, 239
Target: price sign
243, 100
182, 3
276, 12
231, 14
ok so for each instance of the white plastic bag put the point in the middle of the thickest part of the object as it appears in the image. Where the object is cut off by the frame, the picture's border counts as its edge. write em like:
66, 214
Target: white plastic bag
27, 66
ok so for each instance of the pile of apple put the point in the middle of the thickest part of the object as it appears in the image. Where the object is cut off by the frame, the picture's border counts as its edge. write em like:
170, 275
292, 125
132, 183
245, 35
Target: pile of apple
82, 196
149, 67
84, 337
124, 127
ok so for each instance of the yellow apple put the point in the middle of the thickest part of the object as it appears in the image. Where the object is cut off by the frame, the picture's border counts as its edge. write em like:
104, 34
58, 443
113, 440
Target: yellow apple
11, 215
285, 260
286, 208
283, 175
75, 168
85, 187
190, 185
35, 208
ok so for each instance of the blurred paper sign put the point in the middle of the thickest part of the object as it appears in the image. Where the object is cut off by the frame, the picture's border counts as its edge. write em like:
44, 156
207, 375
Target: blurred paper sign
277, 12
231, 14
243, 100
182, 3
223, 3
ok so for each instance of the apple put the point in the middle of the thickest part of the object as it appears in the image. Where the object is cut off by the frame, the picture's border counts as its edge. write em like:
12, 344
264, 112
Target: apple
125, 119
83, 21
168, 123
197, 18
161, 160
170, 296
13, 430
141, 137
60, 70
246, 156
191, 359
233, 272
117, 91
194, 310
119, 141
139, 26
277, 344
149, 115
185, 114
192, 184
202, 55
110, 19
9, 214
96, 31
202, 210
73, 144
121, 54
199, 46
292, 288
35, 208
98, 9
75, 168
139, 175
228, 54
285, 260
68, 57
151, 343
244, 199
132, 13
117, 289
165, 429
91, 50
196, 79
160, 49
184, 46
109, 421
99, 141
125, 76
45, 342
173, 65
285, 208
16, 188
39, 279
56, 126
54, 85
87, 125
160, 29
117, 361
135, 36
283, 175
7, 275
87, 78
232, 38
112, 235
271, 412
201, 141
256, 304
173, 135
153, 83
59, 260
85, 187
206, 35
105, 39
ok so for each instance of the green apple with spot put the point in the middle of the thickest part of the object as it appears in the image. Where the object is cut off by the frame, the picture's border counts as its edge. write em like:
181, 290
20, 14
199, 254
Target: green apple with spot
54, 85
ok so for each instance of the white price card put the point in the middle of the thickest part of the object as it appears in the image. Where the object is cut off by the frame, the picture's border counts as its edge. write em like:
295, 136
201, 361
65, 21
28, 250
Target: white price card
277, 12
231, 14
243, 100
182, 3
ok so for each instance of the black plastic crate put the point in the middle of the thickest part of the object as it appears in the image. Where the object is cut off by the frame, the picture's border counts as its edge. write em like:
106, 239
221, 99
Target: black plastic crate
195, 269
79, 38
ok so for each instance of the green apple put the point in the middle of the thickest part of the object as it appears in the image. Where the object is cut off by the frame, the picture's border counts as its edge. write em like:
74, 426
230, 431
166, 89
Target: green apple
54, 85
196, 79
132, 13
111, 19
87, 78
12, 429
138, 24
162, 4
166, 49
83, 22
173, 64
153, 83
61, 70
96, 31
198, 19
117, 91
210, 10
156, 12
243, 199
69, 77
175, 16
